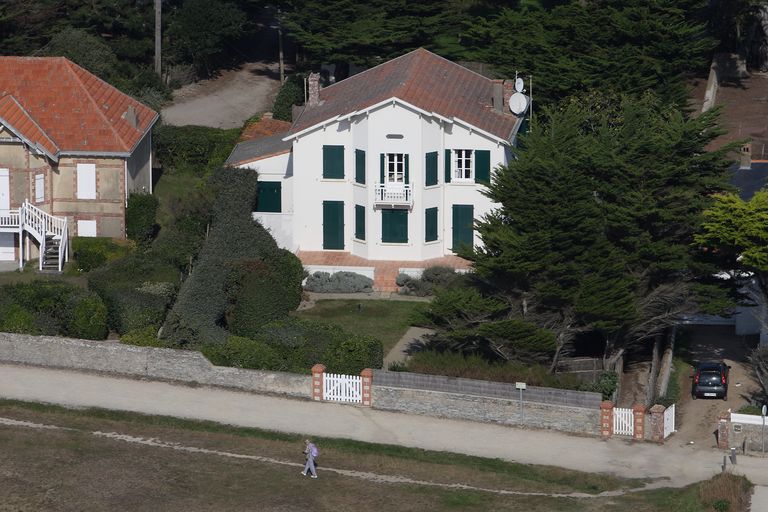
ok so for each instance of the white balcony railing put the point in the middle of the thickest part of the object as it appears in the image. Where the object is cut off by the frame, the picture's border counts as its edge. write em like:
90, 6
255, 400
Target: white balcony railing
393, 194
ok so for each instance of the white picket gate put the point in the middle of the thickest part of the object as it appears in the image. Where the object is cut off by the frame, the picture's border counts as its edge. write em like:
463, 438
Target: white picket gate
343, 388
623, 422
669, 420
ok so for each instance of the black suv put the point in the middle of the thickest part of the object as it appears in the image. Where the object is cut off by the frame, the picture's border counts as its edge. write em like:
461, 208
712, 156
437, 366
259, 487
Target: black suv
710, 380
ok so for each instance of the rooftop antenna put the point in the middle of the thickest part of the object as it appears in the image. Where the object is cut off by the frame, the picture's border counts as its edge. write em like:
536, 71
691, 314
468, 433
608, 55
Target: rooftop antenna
518, 102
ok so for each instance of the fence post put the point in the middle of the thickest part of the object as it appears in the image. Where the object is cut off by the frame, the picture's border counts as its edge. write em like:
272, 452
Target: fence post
638, 415
723, 426
318, 372
606, 419
657, 423
367, 376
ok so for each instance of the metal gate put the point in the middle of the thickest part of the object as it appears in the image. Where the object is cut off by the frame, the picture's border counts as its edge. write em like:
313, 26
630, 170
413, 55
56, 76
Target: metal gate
343, 388
669, 420
623, 422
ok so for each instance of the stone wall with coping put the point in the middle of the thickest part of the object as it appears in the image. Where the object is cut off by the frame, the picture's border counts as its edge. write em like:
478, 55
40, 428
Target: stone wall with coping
487, 409
145, 362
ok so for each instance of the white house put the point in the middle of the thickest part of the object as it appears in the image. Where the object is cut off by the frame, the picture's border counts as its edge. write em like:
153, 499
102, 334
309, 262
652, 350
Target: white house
387, 166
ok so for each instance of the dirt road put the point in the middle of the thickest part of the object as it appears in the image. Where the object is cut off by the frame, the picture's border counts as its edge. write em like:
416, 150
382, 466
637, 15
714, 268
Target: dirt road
226, 101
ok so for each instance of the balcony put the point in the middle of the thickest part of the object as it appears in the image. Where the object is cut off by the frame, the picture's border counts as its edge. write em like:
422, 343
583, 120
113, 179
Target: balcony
393, 194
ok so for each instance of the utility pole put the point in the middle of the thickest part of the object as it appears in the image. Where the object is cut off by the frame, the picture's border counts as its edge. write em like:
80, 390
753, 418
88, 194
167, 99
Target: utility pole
158, 4
280, 47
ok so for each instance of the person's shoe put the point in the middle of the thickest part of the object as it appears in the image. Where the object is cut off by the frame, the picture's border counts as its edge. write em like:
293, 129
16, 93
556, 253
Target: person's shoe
314, 476
303, 473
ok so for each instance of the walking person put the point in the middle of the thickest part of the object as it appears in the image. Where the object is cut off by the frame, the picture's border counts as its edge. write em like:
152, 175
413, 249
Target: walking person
310, 450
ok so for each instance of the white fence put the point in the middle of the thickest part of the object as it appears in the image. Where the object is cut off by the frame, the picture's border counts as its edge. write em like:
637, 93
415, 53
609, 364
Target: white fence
343, 388
669, 421
623, 422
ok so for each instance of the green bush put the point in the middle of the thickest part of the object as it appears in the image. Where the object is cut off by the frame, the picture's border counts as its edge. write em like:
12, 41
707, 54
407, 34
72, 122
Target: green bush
144, 337
93, 252
431, 280
86, 317
140, 215
241, 352
352, 354
197, 150
14, 318
338, 282
606, 384
180, 241
199, 315
291, 93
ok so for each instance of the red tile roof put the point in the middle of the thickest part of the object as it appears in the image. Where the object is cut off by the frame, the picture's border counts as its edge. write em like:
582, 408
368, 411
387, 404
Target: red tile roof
422, 79
264, 127
70, 107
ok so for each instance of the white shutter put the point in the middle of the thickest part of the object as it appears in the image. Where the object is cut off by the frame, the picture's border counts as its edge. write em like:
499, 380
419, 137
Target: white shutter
86, 228
39, 188
86, 181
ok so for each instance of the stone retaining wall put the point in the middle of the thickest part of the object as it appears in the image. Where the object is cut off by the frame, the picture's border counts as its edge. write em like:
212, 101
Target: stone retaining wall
145, 362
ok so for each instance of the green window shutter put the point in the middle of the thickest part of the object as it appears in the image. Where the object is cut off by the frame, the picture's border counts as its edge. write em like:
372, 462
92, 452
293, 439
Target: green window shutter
333, 162
447, 165
333, 224
430, 169
360, 166
382, 160
394, 226
407, 174
483, 166
359, 222
268, 196
463, 226
430, 224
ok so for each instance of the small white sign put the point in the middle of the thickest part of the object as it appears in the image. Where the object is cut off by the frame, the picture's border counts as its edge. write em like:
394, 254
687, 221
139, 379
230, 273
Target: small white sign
519, 385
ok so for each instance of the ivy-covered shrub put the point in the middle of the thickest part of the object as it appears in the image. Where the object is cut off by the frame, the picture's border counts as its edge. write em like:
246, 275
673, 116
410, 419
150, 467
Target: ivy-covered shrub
291, 93
137, 291
140, 215
197, 150
93, 252
144, 337
240, 352
199, 315
52, 308
338, 282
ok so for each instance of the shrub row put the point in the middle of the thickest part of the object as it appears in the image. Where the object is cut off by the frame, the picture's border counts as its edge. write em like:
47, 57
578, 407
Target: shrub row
431, 280
52, 308
137, 291
295, 345
339, 282
197, 150
210, 299
291, 93
140, 225
93, 252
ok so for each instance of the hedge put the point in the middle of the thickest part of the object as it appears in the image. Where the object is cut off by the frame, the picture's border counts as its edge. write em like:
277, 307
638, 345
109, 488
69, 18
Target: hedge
199, 315
338, 282
291, 93
52, 308
93, 252
144, 337
197, 150
140, 215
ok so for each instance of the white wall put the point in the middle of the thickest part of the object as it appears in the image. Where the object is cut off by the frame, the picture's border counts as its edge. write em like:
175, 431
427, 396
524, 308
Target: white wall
280, 225
420, 134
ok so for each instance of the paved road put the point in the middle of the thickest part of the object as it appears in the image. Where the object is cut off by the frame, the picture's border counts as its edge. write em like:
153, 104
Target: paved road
676, 465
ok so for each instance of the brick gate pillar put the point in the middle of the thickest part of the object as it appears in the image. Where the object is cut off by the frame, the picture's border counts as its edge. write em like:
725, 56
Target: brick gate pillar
367, 375
606, 419
723, 427
318, 371
638, 416
657, 423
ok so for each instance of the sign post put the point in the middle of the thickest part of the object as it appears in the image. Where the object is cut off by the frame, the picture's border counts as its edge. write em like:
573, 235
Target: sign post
521, 387
762, 433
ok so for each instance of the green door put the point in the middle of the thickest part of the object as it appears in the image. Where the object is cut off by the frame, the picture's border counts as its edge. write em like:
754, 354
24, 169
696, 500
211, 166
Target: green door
463, 219
333, 224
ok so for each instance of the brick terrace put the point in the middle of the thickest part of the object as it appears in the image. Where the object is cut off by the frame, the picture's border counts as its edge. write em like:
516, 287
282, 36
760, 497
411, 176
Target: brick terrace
385, 271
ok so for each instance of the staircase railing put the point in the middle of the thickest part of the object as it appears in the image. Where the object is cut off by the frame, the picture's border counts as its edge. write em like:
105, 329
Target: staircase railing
40, 224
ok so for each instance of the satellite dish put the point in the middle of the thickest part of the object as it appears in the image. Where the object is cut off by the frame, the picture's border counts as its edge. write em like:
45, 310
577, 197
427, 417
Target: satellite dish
519, 84
518, 103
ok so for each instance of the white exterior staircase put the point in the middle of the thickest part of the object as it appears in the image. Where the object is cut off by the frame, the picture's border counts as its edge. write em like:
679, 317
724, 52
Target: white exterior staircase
49, 231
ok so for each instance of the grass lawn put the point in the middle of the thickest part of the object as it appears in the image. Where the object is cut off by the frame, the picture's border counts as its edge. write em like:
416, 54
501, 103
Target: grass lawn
386, 320
107, 460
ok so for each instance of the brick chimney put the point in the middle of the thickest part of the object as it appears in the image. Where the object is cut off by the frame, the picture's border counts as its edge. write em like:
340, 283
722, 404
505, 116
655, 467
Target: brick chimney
497, 98
313, 93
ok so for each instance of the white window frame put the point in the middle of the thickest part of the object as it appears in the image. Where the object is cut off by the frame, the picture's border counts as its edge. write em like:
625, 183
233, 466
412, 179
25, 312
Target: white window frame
39, 188
394, 168
87, 228
86, 181
463, 164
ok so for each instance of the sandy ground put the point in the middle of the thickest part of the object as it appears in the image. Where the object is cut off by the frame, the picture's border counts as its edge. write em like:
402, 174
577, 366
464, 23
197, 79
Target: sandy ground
226, 101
